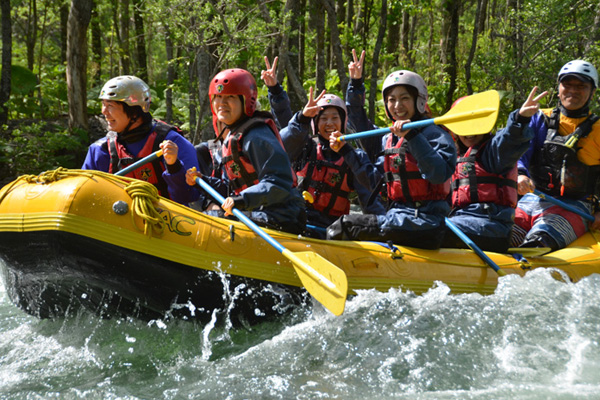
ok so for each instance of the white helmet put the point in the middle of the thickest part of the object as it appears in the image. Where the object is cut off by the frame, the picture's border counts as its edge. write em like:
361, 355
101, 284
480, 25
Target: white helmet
407, 78
581, 69
129, 89
331, 100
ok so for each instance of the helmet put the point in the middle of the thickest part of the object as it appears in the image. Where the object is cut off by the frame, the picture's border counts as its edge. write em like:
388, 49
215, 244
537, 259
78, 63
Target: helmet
235, 81
331, 100
581, 69
407, 78
458, 101
129, 89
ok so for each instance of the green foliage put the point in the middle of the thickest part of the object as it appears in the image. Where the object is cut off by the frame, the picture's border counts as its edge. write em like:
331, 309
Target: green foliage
518, 49
35, 147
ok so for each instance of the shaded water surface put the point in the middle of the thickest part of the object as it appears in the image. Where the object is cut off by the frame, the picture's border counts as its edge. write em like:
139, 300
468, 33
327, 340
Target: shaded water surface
535, 338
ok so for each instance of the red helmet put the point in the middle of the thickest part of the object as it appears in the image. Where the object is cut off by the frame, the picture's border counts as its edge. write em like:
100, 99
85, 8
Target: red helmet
458, 101
235, 81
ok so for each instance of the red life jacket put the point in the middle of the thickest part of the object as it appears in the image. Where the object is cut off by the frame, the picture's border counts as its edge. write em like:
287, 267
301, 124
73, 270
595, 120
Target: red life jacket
151, 172
237, 166
404, 181
327, 182
471, 183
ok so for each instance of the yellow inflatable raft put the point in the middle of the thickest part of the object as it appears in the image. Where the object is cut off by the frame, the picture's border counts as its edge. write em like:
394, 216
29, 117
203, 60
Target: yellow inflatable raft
73, 238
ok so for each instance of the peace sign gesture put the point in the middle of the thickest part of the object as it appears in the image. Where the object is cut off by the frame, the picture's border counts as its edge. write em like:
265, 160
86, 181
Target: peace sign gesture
270, 75
311, 109
532, 105
355, 68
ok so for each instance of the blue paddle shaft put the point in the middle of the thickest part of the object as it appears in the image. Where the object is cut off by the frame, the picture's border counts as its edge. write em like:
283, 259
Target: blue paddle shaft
240, 215
139, 163
473, 246
381, 131
564, 205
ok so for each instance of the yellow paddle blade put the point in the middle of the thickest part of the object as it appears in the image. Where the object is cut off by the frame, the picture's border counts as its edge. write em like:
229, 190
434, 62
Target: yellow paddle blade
323, 280
473, 115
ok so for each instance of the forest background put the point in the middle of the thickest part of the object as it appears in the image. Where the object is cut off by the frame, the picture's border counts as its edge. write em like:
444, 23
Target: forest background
56, 55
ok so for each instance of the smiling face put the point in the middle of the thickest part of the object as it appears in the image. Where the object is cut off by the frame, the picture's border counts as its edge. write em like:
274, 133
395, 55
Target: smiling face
329, 122
400, 103
227, 108
115, 116
471, 140
574, 93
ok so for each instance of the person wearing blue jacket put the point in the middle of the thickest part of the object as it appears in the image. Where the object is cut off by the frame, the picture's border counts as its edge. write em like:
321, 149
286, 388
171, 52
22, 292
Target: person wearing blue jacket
355, 103
134, 134
484, 184
255, 165
328, 177
278, 97
416, 166
563, 161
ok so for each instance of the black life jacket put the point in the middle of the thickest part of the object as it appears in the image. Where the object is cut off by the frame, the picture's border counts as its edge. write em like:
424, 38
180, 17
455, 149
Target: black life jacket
556, 169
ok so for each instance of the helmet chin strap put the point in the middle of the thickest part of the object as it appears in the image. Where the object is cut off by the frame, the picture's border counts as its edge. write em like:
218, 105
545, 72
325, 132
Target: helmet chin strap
579, 113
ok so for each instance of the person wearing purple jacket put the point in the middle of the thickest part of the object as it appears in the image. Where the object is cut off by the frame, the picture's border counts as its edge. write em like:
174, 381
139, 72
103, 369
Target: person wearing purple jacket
134, 134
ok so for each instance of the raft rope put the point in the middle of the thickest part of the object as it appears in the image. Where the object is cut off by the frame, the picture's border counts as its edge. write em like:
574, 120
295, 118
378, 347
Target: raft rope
144, 195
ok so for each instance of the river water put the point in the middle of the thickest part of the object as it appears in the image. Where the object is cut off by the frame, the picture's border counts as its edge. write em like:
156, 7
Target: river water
534, 338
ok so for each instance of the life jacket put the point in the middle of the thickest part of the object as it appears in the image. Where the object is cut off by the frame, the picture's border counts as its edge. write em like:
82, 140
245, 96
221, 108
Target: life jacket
237, 166
151, 172
471, 183
209, 156
404, 180
326, 181
556, 169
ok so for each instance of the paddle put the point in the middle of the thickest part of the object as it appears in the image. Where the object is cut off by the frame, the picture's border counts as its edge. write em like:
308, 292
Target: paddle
474, 247
139, 163
564, 205
323, 280
474, 115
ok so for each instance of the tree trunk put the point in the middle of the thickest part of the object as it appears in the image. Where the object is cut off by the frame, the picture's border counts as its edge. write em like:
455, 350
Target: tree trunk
41, 58
452, 9
594, 36
5, 78
375, 65
64, 17
348, 27
405, 37
96, 45
192, 79
204, 72
302, 44
142, 59
31, 33
295, 41
125, 59
336, 45
170, 75
318, 24
79, 19
393, 36
473, 47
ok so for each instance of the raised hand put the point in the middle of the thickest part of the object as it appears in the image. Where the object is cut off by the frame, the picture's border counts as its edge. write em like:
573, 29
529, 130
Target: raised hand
355, 68
532, 104
311, 109
270, 75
